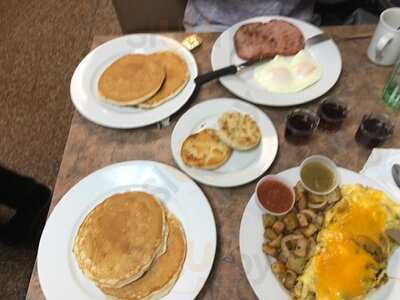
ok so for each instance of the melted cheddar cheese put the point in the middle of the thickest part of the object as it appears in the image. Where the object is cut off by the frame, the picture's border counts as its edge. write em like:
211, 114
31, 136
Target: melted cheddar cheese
342, 268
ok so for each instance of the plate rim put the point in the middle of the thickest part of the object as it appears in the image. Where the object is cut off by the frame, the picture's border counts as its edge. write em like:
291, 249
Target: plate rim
170, 169
227, 185
225, 80
250, 202
109, 124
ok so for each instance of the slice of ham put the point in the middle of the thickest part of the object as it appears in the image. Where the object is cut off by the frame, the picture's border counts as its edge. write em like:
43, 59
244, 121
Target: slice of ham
265, 40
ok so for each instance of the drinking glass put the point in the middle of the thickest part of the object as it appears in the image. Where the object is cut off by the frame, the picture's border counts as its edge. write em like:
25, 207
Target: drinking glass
300, 126
332, 113
374, 130
391, 93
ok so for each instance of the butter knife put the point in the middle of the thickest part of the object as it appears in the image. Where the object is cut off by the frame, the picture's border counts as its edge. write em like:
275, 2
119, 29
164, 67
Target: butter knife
230, 70
394, 234
233, 69
396, 174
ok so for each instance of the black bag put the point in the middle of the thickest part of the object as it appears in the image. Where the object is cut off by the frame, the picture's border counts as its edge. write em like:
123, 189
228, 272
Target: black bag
30, 201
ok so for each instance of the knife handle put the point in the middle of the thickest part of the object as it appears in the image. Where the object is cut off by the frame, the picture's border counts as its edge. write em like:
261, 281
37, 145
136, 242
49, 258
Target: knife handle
201, 79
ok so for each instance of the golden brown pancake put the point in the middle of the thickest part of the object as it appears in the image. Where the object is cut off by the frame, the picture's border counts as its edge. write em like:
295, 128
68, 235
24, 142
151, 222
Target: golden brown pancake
205, 150
161, 277
119, 239
131, 79
177, 76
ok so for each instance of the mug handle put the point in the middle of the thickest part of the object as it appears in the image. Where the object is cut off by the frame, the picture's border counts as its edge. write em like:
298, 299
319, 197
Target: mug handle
382, 43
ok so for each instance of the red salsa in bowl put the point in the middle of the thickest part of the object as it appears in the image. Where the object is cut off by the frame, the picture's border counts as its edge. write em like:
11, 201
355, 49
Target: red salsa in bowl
274, 196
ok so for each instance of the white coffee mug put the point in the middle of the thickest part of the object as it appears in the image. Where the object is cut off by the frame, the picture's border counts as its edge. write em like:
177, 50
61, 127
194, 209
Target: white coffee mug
384, 48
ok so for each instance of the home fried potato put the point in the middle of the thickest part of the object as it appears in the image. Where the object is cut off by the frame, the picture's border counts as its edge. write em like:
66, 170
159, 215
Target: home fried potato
291, 239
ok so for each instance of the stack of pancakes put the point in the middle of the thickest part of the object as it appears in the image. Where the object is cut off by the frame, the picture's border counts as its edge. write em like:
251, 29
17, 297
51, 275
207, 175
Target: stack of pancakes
210, 148
131, 247
143, 80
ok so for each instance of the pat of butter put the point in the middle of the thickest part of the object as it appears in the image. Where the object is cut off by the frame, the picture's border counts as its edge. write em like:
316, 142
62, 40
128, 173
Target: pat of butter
192, 41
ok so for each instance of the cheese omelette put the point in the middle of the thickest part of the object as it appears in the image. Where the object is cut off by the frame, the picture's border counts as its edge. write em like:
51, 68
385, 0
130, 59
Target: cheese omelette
176, 77
119, 239
131, 79
353, 248
162, 275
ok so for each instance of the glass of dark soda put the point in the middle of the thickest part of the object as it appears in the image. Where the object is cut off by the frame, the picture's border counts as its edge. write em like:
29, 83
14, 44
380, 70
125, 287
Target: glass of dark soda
374, 130
332, 113
300, 126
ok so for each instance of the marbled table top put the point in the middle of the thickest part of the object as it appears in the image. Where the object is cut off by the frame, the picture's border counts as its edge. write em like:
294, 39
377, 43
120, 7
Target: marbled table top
91, 147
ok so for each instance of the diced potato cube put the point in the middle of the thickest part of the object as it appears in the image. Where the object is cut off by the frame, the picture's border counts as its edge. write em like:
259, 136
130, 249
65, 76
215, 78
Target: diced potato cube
310, 230
279, 226
270, 234
269, 250
268, 220
291, 222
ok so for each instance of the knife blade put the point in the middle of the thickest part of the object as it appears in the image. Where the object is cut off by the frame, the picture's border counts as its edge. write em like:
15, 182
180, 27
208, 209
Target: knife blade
394, 234
316, 39
233, 69
229, 70
396, 174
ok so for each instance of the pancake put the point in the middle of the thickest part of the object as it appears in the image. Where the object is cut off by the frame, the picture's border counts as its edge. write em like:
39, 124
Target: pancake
161, 277
238, 131
119, 239
205, 150
176, 77
131, 80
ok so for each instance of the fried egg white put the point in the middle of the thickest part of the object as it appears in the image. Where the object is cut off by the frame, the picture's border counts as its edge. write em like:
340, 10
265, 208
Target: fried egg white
284, 75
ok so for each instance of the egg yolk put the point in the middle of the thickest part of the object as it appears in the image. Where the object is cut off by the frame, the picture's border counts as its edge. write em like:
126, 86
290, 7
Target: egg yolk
304, 69
280, 76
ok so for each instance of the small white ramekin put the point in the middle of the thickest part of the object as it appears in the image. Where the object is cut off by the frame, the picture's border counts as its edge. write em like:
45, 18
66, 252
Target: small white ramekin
285, 183
326, 162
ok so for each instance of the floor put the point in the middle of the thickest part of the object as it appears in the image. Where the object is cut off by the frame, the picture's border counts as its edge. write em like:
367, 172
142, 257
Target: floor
41, 44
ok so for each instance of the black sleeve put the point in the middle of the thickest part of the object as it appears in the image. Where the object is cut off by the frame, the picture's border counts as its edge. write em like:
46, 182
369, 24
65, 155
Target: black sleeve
20, 191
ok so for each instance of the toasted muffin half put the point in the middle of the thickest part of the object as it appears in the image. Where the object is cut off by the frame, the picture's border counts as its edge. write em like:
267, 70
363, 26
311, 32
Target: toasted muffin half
205, 150
238, 130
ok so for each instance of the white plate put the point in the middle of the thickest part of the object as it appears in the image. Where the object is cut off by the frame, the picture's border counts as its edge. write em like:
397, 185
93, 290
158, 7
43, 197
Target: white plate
243, 85
257, 265
242, 166
84, 91
59, 274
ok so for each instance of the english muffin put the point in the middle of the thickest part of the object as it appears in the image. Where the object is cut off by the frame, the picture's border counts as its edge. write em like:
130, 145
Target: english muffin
131, 80
176, 77
161, 277
119, 239
238, 131
205, 150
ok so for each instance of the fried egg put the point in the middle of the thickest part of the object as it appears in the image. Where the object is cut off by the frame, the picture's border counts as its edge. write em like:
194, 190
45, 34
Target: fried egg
289, 75
353, 248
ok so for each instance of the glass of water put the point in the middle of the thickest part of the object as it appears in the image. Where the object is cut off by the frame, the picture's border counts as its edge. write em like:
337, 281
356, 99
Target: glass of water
391, 93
